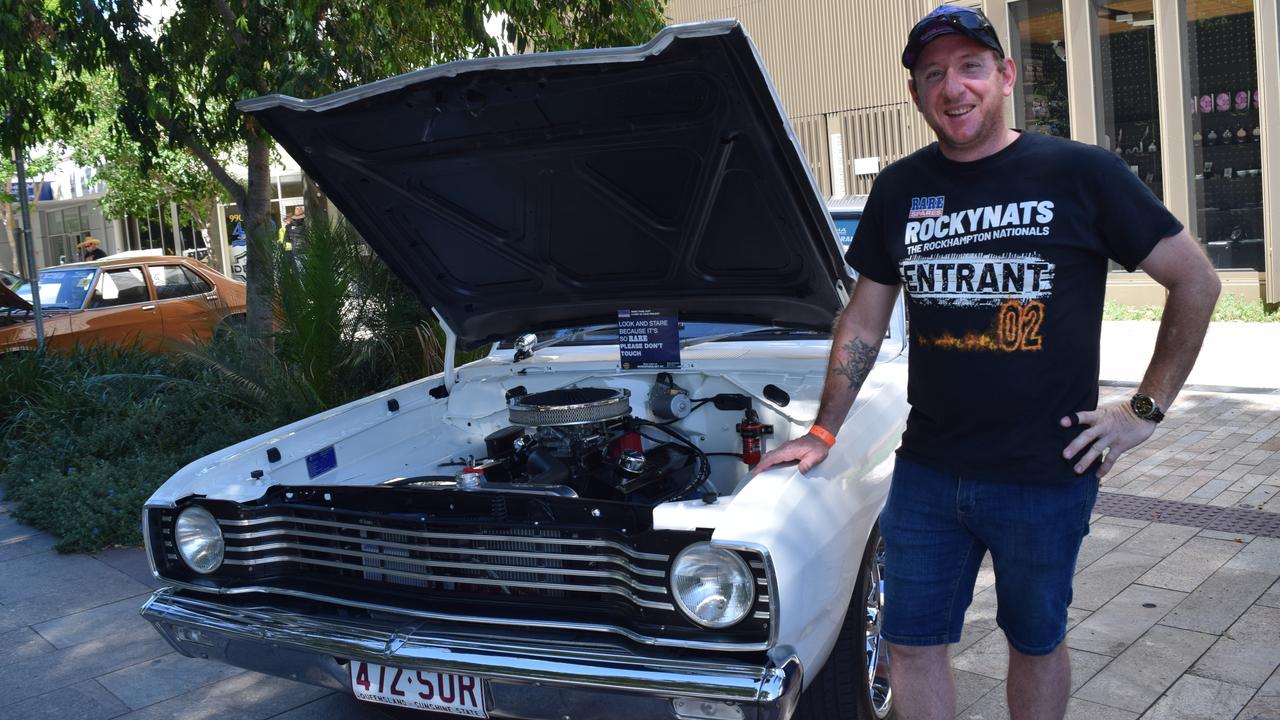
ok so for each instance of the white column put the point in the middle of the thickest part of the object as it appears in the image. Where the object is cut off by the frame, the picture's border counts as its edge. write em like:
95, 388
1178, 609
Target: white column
997, 11
1266, 25
1080, 26
1173, 83
177, 230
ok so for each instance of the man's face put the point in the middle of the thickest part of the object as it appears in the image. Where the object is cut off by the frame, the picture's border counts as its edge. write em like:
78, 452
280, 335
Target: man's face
959, 87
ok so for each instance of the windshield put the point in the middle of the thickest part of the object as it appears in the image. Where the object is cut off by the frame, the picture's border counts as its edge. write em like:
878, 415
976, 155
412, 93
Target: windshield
846, 228
60, 289
688, 331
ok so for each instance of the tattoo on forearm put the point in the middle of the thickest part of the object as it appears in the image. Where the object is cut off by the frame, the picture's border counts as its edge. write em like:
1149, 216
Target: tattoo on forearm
860, 358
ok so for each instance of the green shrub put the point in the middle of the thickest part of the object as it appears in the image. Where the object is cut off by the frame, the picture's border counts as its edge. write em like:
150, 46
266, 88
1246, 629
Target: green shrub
90, 443
87, 436
1230, 308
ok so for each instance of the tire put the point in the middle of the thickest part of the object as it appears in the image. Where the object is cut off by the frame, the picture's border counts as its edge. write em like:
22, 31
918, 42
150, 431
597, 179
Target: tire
231, 325
854, 682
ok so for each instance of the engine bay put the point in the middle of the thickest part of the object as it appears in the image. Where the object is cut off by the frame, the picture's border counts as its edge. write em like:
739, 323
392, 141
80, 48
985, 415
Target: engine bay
588, 442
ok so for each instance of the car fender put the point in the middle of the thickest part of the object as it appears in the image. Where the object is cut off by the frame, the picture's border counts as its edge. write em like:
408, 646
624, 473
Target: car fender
814, 526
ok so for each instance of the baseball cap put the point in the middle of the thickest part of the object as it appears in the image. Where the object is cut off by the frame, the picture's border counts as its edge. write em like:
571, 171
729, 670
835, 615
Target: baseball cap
948, 20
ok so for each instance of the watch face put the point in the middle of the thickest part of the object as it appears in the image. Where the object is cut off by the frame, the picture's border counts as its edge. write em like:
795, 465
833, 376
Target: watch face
1142, 405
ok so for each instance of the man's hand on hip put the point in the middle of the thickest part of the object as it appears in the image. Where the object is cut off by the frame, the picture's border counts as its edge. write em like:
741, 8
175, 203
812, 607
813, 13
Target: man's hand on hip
807, 450
1110, 431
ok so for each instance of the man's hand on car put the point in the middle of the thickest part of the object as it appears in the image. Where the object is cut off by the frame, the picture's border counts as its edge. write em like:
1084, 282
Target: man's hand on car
806, 449
1111, 430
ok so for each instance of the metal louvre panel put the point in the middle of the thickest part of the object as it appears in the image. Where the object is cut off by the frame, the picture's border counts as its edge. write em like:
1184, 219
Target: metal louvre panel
837, 67
872, 132
537, 560
518, 556
498, 574
488, 537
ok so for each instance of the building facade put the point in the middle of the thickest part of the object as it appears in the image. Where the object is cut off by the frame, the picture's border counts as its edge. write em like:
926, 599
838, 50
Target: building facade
1187, 92
66, 208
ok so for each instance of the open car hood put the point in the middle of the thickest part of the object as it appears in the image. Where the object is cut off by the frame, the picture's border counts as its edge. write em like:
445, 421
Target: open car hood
10, 299
529, 192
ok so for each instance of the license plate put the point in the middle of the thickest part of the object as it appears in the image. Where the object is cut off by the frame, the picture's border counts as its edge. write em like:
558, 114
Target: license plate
440, 692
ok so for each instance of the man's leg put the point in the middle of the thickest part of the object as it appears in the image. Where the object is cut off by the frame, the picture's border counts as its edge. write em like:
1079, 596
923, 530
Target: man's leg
923, 686
931, 562
1039, 685
1034, 534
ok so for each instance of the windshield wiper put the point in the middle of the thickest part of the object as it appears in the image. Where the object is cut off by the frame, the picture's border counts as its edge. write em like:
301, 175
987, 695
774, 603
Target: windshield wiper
726, 335
527, 351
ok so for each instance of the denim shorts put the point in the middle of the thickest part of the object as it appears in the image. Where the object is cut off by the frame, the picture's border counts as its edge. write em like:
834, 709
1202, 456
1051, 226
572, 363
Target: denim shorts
937, 527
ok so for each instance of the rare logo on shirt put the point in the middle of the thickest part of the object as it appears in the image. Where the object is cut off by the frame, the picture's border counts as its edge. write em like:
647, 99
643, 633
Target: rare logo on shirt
927, 207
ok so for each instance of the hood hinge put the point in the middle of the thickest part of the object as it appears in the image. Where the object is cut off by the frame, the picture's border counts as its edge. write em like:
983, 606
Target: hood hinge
450, 349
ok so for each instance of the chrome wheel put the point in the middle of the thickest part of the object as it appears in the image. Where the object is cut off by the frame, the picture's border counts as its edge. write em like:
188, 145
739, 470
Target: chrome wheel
880, 695
853, 684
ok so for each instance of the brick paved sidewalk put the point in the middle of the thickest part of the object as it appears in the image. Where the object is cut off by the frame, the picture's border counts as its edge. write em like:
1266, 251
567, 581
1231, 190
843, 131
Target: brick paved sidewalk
1170, 621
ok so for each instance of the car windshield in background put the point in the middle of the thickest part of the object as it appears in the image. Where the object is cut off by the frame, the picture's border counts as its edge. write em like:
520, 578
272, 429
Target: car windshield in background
688, 331
61, 289
846, 227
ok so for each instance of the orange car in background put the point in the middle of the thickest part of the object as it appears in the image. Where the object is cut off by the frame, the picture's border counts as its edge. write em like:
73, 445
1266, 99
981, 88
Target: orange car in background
158, 301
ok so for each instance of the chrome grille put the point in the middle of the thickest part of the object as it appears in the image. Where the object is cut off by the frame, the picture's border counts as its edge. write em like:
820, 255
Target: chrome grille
511, 561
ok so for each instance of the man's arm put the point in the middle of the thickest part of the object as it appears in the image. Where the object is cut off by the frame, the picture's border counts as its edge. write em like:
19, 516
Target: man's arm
1177, 263
855, 342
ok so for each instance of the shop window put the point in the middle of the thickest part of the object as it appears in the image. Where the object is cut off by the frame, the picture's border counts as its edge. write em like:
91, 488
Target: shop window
1130, 119
291, 186
1226, 132
1039, 51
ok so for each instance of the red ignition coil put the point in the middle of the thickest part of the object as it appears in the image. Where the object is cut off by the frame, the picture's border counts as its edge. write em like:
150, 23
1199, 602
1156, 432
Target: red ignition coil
752, 432
627, 441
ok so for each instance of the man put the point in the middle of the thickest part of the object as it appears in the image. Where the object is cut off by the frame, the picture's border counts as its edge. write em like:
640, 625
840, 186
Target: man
1001, 240
91, 249
294, 236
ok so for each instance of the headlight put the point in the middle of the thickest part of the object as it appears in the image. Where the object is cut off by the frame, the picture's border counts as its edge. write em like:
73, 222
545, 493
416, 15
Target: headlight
199, 539
713, 587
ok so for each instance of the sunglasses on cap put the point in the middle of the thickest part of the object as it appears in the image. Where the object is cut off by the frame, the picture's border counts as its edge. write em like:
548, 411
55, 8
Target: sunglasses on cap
949, 20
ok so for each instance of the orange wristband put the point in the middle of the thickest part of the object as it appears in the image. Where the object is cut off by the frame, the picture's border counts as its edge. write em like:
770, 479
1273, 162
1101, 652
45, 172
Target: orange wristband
823, 434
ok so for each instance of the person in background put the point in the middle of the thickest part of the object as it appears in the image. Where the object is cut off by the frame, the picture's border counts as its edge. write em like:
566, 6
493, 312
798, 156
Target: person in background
294, 228
91, 249
1001, 241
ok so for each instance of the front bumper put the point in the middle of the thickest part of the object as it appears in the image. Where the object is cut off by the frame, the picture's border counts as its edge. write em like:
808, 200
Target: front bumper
529, 681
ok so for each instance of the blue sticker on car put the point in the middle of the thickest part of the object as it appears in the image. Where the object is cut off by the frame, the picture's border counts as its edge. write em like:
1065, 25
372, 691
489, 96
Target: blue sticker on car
321, 462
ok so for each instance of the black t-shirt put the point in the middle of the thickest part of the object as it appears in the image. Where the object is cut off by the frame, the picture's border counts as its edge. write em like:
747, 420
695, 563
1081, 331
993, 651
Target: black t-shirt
1004, 261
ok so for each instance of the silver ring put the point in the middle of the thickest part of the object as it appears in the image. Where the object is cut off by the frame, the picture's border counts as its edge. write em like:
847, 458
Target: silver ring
1105, 452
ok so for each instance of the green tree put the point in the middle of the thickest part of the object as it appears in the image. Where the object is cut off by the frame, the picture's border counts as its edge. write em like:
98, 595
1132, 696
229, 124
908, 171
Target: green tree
136, 181
37, 99
179, 78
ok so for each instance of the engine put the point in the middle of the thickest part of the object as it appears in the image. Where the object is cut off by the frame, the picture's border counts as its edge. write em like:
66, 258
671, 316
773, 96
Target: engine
585, 442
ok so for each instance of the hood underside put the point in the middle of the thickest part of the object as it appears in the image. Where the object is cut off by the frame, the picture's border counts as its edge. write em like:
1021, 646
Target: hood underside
10, 299
530, 192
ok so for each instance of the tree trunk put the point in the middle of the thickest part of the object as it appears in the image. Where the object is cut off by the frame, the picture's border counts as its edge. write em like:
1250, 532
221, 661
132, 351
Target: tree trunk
257, 219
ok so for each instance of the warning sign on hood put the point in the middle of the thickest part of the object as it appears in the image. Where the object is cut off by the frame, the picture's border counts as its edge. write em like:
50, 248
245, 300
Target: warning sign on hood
648, 340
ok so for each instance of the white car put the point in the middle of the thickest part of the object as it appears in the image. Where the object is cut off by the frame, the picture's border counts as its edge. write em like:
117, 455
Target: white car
568, 527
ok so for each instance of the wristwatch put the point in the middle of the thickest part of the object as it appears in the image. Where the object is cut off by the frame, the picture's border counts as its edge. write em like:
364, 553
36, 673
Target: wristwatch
1146, 408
